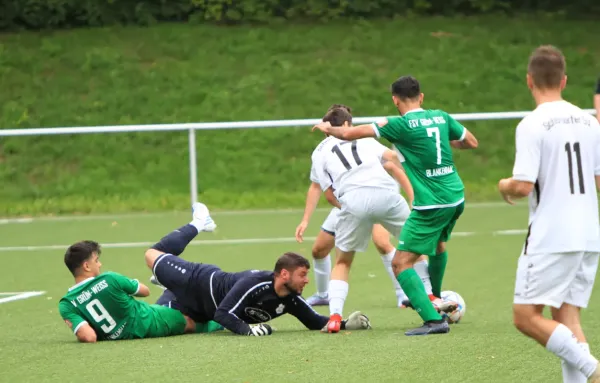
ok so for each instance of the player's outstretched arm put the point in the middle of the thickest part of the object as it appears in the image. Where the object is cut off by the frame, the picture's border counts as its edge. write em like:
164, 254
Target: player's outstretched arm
347, 134
86, 334
234, 304
312, 199
468, 142
394, 167
527, 162
143, 290
312, 320
333, 201
78, 325
513, 189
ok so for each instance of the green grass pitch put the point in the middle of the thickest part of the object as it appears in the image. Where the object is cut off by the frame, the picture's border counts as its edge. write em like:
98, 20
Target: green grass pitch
35, 344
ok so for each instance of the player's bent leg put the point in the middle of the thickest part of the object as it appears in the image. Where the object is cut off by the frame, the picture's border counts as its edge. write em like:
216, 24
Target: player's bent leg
413, 287
151, 256
546, 280
165, 321
381, 239
173, 273
353, 232
555, 337
437, 269
323, 245
569, 315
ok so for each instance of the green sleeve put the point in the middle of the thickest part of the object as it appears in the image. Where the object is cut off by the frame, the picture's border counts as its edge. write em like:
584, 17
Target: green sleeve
392, 128
130, 286
70, 315
457, 130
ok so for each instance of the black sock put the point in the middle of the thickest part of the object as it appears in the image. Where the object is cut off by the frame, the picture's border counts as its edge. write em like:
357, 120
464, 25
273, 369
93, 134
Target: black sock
176, 241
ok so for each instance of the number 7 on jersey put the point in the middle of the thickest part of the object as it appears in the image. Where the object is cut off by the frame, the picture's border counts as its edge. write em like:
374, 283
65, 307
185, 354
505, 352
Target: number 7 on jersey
435, 132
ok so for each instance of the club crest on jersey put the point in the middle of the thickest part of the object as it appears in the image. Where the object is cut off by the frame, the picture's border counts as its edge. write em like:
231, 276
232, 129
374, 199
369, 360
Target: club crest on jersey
258, 315
280, 308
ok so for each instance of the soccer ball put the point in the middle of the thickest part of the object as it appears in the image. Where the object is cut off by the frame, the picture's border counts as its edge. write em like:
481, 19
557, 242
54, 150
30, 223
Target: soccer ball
456, 315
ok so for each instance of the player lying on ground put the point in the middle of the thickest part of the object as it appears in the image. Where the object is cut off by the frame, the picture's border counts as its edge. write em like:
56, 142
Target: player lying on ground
424, 139
354, 176
557, 165
235, 300
325, 242
101, 306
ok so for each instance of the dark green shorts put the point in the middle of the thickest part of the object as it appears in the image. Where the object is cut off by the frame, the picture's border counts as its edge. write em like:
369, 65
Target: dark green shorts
424, 229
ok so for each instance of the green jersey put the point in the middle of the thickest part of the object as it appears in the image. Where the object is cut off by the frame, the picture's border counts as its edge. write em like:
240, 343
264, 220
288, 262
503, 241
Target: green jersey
422, 138
107, 304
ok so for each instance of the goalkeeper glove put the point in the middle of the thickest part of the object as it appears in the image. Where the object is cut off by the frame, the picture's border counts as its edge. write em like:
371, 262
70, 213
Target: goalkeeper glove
260, 330
356, 321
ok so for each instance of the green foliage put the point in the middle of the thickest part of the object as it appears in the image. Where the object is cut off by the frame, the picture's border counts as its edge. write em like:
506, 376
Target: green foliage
177, 73
37, 14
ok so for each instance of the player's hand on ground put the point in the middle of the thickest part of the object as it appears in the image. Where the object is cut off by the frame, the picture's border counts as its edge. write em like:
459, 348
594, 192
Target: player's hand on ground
300, 231
260, 330
323, 126
357, 321
503, 188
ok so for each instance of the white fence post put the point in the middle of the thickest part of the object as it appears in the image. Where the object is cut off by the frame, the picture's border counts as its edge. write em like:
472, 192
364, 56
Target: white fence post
192, 127
193, 166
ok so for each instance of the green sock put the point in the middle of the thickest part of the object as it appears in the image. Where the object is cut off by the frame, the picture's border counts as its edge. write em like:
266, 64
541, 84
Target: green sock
209, 326
437, 267
413, 287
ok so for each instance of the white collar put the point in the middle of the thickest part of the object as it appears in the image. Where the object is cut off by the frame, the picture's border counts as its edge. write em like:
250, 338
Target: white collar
414, 110
81, 283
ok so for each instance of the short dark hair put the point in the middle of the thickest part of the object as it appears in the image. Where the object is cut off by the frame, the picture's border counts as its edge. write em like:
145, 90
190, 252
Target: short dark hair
406, 87
547, 67
291, 261
337, 116
80, 252
340, 106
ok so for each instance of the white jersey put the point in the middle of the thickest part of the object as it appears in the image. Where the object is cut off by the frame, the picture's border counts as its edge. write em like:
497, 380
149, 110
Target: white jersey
347, 165
558, 149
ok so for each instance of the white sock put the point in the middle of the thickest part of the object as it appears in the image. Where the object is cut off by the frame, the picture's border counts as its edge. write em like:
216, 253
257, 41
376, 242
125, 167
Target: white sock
570, 373
338, 291
387, 262
422, 269
199, 225
563, 344
322, 273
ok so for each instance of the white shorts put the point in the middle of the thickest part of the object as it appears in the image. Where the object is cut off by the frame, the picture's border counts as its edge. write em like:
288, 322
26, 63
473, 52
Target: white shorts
364, 207
330, 222
557, 278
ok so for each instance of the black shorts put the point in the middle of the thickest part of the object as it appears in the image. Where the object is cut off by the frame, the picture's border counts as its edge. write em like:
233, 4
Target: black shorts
189, 283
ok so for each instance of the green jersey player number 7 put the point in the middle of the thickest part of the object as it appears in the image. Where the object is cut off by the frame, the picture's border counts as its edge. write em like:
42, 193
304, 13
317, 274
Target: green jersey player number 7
424, 139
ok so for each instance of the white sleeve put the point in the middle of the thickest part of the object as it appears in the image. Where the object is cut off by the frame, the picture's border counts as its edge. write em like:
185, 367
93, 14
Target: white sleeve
597, 158
321, 174
314, 177
528, 152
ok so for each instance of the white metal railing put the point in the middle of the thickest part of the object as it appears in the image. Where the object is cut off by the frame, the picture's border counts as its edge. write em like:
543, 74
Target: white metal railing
192, 127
